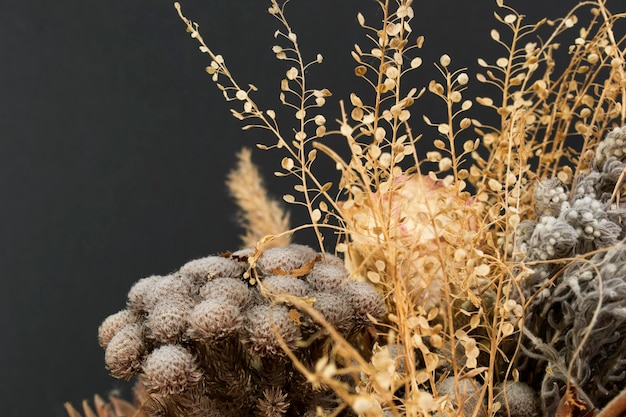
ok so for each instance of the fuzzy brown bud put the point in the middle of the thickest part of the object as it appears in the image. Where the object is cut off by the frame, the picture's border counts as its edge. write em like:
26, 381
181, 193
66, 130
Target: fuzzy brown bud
364, 299
214, 319
327, 277
232, 289
205, 269
285, 284
262, 323
170, 369
167, 321
113, 324
125, 352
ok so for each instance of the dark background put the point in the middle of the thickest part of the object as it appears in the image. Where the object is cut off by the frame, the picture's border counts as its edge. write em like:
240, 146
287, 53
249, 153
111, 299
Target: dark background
114, 147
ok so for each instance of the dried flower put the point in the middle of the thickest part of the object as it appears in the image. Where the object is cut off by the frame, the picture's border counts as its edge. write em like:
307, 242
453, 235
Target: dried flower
232, 289
285, 284
284, 259
167, 321
113, 324
125, 351
170, 369
214, 319
517, 399
273, 404
327, 277
205, 269
364, 299
262, 323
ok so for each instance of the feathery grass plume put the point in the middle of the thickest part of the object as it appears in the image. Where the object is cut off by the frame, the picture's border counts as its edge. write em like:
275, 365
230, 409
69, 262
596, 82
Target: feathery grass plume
260, 215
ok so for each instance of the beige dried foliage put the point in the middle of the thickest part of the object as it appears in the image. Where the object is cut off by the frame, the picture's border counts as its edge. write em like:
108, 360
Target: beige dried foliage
435, 234
260, 215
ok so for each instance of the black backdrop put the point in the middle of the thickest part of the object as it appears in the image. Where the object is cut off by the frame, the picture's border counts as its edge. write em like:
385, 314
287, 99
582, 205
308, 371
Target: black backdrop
114, 146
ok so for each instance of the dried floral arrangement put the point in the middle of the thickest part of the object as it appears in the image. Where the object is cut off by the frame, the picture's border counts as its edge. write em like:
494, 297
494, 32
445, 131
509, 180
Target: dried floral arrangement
485, 277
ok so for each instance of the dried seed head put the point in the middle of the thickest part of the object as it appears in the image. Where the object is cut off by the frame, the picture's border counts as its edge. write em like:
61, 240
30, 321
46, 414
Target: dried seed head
167, 321
327, 277
113, 324
125, 351
285, 284
285, 258
260, 323
140, 294
205, 269
364, 299
518, 399
468, 394
170, 369
214, 319
335, 309
232, 289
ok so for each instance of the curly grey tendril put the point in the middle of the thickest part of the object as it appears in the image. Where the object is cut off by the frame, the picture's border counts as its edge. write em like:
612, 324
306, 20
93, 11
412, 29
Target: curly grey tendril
204, 341
577, 311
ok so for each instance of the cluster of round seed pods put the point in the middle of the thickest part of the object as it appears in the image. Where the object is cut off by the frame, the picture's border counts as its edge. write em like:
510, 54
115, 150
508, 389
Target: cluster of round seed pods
175, 325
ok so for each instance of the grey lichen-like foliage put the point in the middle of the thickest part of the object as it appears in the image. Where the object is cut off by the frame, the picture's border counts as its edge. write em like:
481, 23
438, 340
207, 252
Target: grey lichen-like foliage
125, 352
170, 369
548, 196
464, 394
517, 399
205, 339
113, 324
577, 314
613, 146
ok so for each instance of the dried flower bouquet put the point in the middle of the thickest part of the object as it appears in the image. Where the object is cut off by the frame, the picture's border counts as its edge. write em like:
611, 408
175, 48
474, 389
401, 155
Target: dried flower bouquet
484, 277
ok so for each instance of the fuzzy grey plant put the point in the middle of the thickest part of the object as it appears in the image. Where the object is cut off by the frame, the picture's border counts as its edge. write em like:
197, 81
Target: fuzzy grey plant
575, 322
206, 341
